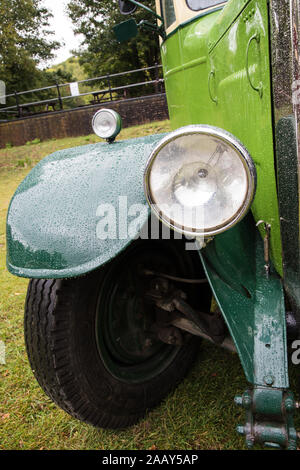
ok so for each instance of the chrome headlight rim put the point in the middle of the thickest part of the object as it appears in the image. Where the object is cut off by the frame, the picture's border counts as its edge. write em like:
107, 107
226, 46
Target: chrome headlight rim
227, 138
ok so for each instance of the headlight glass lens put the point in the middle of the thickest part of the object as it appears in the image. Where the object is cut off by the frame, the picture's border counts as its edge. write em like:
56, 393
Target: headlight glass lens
107, 123
200, 180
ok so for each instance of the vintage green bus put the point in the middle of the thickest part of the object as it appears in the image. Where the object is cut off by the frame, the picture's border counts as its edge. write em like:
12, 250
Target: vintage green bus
135, 249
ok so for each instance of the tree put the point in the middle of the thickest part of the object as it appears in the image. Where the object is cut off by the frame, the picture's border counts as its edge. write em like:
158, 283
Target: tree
25, 41
101, 53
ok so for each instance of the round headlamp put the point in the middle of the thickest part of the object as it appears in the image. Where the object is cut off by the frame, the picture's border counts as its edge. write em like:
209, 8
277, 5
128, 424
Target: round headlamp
107, 124
200, 180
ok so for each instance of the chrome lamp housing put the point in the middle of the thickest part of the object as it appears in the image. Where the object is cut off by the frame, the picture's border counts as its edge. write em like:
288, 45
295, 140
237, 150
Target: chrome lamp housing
200, 180
107, 124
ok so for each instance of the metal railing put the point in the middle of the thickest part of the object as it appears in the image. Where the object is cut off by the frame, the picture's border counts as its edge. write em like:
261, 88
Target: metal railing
104, 94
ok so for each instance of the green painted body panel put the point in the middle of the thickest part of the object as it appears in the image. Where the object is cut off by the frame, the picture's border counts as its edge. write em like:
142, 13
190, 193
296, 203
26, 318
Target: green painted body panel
252, 303
53, 216
207, 83
225, 20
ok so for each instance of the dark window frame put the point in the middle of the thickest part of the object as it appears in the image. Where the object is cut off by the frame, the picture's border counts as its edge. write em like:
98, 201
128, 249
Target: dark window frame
162, 12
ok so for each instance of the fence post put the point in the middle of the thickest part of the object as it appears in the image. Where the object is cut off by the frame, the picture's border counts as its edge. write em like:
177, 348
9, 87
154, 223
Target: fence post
18, 105
59, 97
109, 86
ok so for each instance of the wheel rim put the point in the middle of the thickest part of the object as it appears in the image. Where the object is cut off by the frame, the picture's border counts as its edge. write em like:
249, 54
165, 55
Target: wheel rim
126, 344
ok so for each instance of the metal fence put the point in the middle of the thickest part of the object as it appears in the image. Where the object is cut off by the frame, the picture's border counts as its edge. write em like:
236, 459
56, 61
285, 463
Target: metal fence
68, 95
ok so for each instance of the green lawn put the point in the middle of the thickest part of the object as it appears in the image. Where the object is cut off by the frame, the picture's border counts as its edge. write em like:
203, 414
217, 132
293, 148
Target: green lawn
200, 414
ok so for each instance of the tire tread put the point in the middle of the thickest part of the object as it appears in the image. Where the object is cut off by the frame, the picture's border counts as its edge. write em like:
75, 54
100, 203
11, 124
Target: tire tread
50, 347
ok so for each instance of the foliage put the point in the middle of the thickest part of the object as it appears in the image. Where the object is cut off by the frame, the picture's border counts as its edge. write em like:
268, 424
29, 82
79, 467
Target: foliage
101, 53
70, 67
25, 41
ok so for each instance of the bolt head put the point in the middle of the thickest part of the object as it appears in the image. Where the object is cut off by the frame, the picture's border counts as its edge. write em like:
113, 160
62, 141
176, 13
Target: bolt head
289, 405
269, 380
240, 430
238, 400
249, 442
247, 401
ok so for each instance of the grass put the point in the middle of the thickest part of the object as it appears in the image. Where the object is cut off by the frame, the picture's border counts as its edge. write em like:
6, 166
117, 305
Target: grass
200, 414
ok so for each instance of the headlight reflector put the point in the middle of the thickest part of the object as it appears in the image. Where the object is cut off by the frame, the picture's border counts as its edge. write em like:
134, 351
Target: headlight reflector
107, 124
200, 180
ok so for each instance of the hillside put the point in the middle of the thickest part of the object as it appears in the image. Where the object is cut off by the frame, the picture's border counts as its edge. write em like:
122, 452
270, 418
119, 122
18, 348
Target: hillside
71, 66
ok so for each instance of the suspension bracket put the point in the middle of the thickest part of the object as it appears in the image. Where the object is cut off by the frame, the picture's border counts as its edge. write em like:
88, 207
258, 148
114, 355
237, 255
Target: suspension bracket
269, 418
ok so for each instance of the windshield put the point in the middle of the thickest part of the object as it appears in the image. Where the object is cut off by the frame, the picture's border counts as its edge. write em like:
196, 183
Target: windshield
202, 4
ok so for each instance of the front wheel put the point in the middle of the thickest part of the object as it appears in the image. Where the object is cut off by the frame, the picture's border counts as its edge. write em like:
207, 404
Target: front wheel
90, 340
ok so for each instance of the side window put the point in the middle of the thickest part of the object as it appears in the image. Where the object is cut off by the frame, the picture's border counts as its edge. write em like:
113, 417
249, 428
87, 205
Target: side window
202, 4
167, 7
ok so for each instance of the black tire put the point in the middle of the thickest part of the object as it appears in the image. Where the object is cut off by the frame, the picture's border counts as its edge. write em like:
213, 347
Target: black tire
64, 354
